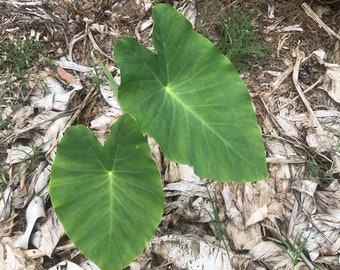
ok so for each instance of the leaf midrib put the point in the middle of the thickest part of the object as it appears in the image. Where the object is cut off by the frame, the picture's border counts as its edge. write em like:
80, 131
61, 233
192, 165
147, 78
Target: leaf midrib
185, 106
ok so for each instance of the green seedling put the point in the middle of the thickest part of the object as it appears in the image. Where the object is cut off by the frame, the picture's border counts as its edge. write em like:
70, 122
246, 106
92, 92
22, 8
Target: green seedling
218, 230
216, 221
189, 97
3, 179
18, 60
294, 249
110, 80
28, 161
4, 123
32, 158
19, 57
319, 170
237, 35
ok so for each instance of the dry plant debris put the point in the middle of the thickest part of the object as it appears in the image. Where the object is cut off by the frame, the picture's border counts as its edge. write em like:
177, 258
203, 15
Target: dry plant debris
289, 221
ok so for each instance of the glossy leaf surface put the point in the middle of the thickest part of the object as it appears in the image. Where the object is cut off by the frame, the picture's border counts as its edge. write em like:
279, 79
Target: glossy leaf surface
108, 197
190, 98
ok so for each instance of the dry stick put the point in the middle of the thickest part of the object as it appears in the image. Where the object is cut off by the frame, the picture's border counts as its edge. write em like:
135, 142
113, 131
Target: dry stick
74, 40
291, 226
279, 80
296, 68
92, 93
275, 85
306, 91
59, 115
321, 24
136, 31
299, 60
95, 45
25, 4
285, 160
293, 216
310, 218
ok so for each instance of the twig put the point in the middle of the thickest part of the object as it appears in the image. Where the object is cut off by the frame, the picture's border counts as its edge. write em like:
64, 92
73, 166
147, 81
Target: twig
92, 93
95, 45
296, 68
276, 84
59, 115
321, 24
310, 219
306, 91
279, 80
74, 40
82, 35
293, 216
285, 160
26, 4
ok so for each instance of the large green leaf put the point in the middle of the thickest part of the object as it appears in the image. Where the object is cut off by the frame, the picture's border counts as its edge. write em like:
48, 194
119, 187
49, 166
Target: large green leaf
108, 197
190, 98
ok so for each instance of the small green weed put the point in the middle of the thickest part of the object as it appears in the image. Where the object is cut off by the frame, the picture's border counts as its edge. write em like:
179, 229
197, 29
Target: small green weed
3, 179
29, 160
318, 169
34, 157
19, 60
219, 231
237, 35
4, 122
19, 57
96, 79
294, 249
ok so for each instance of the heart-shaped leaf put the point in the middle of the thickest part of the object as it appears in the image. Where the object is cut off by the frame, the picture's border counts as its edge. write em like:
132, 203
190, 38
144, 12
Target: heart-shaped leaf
108, 197
190, 98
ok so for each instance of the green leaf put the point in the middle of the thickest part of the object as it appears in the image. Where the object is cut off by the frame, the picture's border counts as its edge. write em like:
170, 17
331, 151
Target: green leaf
108, 197
190, 98
110, 79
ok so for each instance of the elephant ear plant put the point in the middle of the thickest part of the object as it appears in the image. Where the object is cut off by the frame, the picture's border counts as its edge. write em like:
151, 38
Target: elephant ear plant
187, 96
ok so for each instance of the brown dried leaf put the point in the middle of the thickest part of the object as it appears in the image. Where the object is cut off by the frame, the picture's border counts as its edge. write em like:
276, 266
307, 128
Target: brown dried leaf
66, 76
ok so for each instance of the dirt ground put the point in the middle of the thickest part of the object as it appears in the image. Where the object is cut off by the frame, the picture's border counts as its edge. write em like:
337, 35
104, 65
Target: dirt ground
289, 221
